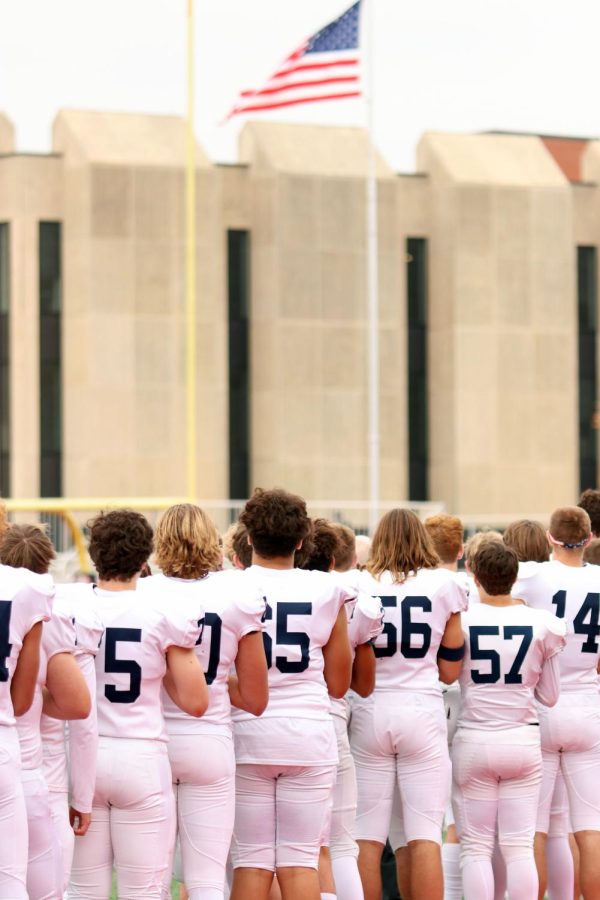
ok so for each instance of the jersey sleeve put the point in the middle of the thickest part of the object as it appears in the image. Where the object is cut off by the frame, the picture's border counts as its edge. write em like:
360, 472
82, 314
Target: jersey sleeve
367, 620
547, 690
38, 592
88, 630
555, 639
251, 605
456, 596
59, 635
83, 744
180, 628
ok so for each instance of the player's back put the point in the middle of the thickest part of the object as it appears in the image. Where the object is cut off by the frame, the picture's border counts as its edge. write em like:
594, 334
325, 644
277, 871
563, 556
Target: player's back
227, 608
301, 611
571, 593
25, 599
131, 662
506, 648
416, 614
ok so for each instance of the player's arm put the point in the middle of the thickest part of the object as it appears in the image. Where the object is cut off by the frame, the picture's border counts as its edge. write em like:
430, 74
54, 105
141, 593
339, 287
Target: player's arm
451, 651
249, 687
66, 695
337, 658
22, 685
83, 752
547, 690
184, 681
363, 670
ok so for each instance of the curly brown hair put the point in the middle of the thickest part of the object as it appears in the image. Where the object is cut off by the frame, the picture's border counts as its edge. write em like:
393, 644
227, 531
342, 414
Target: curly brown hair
27, 547
590, 501
236, 546
276, 522
325, 546
401, 545
187, 543
120, 543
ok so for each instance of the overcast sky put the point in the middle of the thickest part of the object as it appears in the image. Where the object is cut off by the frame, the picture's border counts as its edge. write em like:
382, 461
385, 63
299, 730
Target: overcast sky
444, 65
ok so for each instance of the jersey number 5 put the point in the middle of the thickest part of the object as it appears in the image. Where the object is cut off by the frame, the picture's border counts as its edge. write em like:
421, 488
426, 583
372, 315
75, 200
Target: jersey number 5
130, 666
513, 676
285, 638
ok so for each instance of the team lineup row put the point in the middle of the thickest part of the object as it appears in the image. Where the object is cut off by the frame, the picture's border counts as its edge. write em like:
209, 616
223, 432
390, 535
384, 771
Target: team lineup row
262, 730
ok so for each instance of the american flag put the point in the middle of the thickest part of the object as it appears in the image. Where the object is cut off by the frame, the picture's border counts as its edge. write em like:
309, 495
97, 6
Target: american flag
325, 67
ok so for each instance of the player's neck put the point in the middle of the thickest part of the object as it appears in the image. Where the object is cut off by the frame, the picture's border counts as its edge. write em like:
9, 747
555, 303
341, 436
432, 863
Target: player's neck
451, 567
273, 562
498, 599
113, 585
572, 558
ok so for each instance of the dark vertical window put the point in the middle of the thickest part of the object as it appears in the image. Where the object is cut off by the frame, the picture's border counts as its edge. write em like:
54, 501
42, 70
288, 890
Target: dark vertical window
587, 295
50, 285
4, 361
418, 431
238, 291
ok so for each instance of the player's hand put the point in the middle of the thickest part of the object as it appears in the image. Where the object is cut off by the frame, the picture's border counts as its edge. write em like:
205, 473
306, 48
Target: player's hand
80, 822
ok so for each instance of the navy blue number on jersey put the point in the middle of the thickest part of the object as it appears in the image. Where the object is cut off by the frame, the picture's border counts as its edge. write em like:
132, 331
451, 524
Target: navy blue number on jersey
214, 622
5, 645
478, 654
286, 638
409, 629
586, 621
113, 637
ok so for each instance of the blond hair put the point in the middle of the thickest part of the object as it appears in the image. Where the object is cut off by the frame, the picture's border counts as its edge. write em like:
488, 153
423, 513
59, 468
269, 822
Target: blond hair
235, 545
400, 546
477, 541
4, 524
187, 542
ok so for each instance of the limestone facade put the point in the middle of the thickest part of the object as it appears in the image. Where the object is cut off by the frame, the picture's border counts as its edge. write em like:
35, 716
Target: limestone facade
502, 223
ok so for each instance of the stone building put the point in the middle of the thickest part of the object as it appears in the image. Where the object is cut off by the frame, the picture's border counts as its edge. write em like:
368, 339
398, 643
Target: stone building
488, 308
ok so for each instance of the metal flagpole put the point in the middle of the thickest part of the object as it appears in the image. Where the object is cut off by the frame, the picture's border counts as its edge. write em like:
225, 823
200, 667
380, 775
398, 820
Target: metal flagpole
190, 266
372, 284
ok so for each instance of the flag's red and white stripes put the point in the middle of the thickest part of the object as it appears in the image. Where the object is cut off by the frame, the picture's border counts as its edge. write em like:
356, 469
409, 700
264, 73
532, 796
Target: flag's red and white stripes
305, 78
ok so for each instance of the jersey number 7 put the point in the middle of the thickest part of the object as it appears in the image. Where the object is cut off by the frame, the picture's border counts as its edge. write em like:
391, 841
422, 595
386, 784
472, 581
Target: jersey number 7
513, 676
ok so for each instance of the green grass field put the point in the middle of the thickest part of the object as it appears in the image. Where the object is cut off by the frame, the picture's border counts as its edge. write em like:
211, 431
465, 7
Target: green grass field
174, 890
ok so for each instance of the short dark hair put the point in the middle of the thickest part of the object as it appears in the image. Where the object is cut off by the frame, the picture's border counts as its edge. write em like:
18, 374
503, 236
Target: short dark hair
528, 540
27, 547
120, 543
325, 546
345, 556
590, 501
570, 526
240, 545
495, 566
276, 522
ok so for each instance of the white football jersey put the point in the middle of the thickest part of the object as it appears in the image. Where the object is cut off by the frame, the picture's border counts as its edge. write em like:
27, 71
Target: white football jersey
58, 636
25, 600
131, 662
506, 648
416, 615
227, 608
573, 594
77, 602
302, 608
